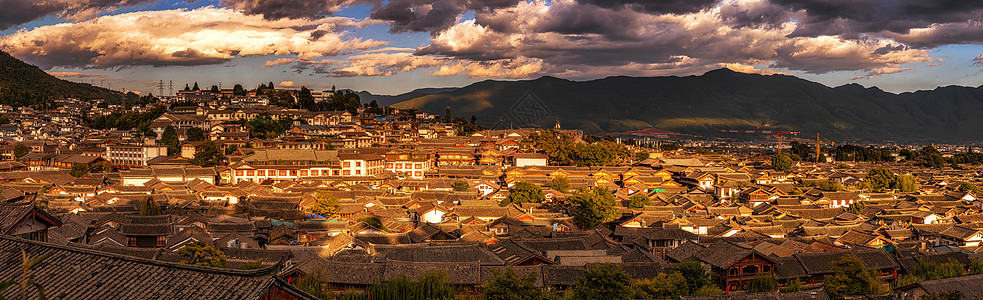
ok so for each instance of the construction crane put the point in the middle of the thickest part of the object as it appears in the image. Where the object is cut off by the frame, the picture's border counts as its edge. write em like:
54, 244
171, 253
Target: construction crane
818, 143
780, 135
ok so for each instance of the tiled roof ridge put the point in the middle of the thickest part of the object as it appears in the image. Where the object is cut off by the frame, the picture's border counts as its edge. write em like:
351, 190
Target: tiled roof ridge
268, 271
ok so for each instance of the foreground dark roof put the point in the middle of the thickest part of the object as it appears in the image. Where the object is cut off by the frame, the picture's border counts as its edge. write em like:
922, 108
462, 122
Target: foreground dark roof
77, 273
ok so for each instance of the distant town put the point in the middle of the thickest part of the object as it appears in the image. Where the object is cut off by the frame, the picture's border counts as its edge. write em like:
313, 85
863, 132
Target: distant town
266, 193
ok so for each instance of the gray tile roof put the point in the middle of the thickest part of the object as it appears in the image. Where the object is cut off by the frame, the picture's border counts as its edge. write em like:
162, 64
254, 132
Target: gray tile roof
77, 273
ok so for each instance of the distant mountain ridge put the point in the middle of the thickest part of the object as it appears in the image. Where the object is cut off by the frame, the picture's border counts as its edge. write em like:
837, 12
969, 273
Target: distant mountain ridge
720, 99
22, 84
386, 100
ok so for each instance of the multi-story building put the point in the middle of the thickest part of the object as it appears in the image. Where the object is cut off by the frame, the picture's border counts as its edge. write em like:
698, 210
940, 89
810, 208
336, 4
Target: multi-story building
135, 155
409, 164
290, 164
359, 164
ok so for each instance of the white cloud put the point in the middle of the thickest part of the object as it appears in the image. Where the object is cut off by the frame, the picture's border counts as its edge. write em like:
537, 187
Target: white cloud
181, 37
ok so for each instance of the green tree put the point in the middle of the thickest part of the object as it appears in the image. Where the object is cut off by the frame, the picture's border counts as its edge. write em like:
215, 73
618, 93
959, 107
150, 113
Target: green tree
209, 156
781, 162
202, 254
510, 286
305, 99
150, 208
314, 285
696, 276
639, 200
856, 207
907, 184
967, 186
196, 134
431, 285
592, 207
662, 286
325, 204
560, 184
20, 150
524, 192
4, 119
792, 285
461, 186
196, 87
881, 179
79, 170
602, 281
762, 284
641, 155
214, 89
169, 138
851, 278
101, 167
238, 90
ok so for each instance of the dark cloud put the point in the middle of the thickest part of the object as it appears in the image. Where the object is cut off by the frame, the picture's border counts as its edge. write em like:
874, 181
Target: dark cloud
656, 6
279, 9
851, 19
16, 12
421, 16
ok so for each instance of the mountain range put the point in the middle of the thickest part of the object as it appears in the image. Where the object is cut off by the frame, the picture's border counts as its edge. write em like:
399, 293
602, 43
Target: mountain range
22, 84
719, 99
386, 100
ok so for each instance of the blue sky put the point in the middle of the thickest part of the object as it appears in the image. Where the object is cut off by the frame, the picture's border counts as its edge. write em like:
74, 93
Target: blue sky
394, 46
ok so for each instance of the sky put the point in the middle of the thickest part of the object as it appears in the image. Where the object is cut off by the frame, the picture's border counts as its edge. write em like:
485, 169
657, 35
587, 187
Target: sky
395, 46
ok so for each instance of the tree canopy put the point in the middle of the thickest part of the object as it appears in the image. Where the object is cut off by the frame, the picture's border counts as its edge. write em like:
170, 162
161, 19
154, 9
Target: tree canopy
524, 192
602, 281
851, 278
639, 200
150, 208
511, 286
325, 204
562, 149
781, 162
202, 254
209, 156
592, 207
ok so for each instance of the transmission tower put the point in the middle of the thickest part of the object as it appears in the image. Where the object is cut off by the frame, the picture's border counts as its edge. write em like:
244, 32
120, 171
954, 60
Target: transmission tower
160, 86
170, 89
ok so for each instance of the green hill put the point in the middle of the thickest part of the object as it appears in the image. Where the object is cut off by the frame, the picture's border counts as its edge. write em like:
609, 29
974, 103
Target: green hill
22, 84
719, 99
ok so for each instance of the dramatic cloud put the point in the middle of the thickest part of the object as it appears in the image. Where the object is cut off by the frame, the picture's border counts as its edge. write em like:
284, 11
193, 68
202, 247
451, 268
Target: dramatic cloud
388, 64
295, 9
181, 37
584, 40
16, 12
852, 18
657, 6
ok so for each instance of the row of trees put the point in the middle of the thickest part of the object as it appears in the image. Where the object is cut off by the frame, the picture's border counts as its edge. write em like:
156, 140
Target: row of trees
126, 121
590, 206
881, 179
563, 150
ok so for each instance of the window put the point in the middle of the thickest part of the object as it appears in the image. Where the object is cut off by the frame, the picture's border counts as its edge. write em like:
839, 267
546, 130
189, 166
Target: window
733, 271
238, 172
750, 270
766, 268
250, 173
